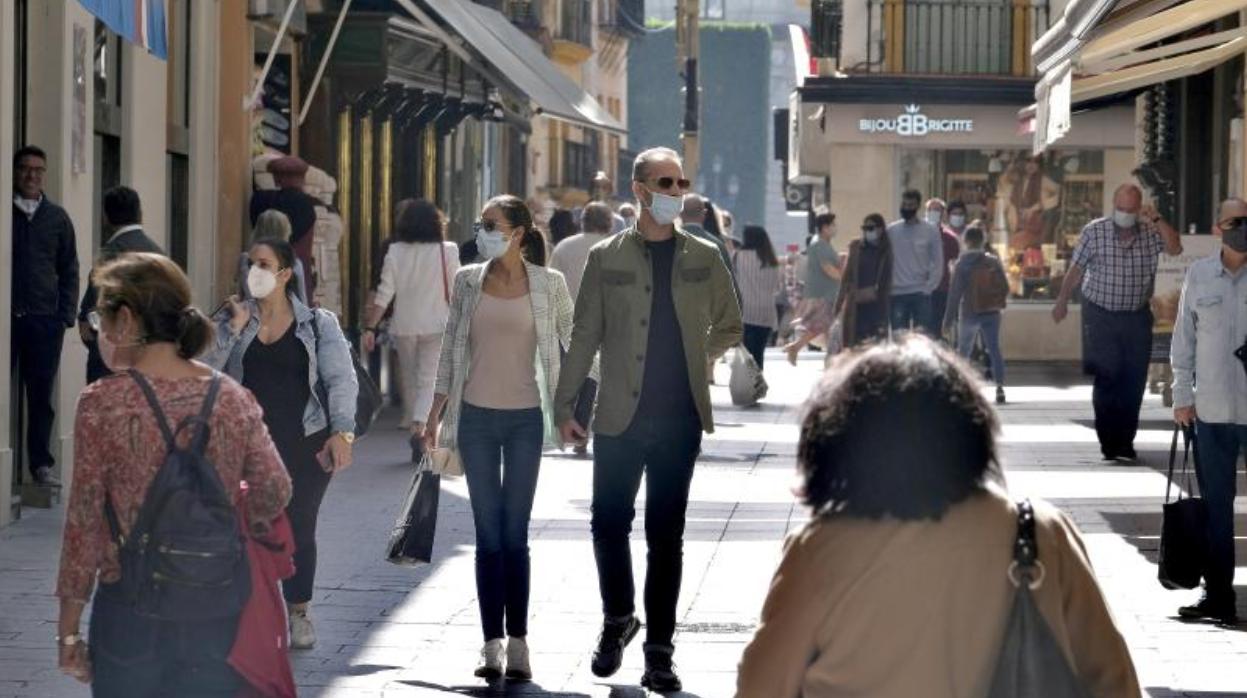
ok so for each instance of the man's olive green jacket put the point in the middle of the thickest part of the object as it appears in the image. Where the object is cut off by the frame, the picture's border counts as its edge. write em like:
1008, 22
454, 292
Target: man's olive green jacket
612, 317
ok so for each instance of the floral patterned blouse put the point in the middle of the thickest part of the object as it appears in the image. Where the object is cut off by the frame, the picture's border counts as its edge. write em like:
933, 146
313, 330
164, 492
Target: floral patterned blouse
118, 449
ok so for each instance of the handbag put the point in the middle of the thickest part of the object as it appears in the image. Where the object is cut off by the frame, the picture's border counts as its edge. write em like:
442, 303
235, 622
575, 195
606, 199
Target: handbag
368, 401
1184, 525
1031, 663
444, 461
411, 540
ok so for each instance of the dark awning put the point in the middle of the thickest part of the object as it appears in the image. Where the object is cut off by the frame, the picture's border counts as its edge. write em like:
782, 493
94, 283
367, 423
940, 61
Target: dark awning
518, 60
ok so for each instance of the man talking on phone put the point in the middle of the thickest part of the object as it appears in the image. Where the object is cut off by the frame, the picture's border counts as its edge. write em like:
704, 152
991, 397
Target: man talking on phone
656, 302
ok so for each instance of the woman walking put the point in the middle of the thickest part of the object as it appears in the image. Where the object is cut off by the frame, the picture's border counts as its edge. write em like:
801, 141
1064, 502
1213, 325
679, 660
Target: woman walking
148, 334
498, 372
900, 583
757, 273
415, 276
271, 224
294, 360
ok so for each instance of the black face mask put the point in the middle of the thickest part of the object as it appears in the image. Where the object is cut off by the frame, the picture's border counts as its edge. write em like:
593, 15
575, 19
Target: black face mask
909, 213
1235, 238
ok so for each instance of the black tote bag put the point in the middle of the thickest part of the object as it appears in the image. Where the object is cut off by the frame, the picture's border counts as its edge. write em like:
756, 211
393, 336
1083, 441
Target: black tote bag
1184, 525
411, 541
1031, 663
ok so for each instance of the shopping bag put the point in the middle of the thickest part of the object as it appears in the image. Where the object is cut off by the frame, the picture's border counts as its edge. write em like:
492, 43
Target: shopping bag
746, 385
411, 541
445, 462
1184, 526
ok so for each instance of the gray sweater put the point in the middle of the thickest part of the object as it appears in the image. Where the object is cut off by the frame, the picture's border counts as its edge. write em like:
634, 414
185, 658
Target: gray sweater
917, 257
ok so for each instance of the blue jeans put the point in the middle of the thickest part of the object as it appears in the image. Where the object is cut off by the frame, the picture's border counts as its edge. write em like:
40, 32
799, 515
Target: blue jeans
501, 452
1216, 457
987, 326
911, 309
133, 656
665, 451
1117, 347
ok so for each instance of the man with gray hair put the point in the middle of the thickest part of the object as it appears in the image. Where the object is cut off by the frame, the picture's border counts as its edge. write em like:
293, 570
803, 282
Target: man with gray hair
693, 220
1114, 263
655, 301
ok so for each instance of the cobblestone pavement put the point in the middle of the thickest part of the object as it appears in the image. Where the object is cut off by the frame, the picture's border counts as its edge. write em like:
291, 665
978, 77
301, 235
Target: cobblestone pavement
387, 631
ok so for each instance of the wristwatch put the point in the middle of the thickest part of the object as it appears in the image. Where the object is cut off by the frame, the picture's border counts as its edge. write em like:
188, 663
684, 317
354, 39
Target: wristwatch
347, 436
69, 640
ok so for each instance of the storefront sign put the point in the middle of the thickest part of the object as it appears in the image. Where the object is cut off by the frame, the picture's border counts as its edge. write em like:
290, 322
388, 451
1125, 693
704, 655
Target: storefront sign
914, 123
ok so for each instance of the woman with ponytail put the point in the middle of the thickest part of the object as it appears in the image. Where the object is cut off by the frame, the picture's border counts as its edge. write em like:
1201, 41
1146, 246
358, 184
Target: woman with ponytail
509, 318
150, 334
293, 359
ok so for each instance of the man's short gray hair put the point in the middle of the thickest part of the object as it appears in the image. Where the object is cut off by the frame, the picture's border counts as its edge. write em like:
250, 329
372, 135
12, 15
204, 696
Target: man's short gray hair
597, 218
640, 166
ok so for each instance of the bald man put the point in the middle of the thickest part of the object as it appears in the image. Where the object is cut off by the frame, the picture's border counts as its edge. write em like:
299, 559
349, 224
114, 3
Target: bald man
1114, 264
1210, 394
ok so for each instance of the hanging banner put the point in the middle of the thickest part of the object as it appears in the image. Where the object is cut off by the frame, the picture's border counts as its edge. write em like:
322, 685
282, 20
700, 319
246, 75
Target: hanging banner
141, 22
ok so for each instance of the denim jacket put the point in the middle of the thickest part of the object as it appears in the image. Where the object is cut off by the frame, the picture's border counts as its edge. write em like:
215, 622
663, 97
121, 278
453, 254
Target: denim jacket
1211, 324
331, 361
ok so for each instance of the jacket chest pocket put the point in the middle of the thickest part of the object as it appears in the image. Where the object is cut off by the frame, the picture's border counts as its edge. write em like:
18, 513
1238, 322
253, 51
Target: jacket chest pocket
1210, 314
618, 283
695, 275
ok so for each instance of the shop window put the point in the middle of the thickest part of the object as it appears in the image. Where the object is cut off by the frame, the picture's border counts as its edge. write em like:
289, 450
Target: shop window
1032, 208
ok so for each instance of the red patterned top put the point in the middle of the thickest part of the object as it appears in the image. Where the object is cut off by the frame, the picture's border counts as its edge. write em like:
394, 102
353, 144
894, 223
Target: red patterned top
118, 449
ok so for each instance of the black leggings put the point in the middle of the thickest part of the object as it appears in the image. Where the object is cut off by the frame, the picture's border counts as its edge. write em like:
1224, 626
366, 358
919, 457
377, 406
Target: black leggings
309, 482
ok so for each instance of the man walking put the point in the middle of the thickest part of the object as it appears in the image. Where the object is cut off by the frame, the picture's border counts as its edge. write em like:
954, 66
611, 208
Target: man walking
45, 290
1114, 263
693, 222
917, 266
950, 244
123, 221
655, 301
1210, 394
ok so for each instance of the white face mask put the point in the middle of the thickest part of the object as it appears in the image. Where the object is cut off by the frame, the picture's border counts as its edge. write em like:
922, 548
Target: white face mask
871, 235
1123, 219
934, 217
261, 282
490, 244
664, 208
956, 220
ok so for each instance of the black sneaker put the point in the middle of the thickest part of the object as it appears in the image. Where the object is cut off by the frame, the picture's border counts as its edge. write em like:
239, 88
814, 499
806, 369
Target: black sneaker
660, 676
1222, 611
1000, 395
417, 448
1128, 455
614, 639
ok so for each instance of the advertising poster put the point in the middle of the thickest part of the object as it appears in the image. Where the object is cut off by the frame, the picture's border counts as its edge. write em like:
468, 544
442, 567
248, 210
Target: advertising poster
1170, 272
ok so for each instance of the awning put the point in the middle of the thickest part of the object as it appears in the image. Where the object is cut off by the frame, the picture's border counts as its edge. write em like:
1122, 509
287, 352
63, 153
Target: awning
519, 62
1154, 28
1156, 72
141, 22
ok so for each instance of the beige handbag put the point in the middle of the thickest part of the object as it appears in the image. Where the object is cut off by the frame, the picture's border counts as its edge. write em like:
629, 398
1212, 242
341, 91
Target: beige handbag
445, 462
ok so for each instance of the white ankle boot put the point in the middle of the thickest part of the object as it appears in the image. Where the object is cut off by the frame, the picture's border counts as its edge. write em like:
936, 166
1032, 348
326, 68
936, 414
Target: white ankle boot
490, 667
518, 668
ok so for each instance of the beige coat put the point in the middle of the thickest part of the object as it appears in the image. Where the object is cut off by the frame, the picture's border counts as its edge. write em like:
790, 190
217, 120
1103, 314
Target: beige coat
891, 609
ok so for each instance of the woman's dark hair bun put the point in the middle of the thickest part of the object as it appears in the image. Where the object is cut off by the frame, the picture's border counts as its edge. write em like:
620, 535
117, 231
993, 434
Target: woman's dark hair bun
194, 332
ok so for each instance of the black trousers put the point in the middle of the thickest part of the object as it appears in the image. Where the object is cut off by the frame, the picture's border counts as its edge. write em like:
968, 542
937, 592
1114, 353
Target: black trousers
664, 449
133, 656
756, 338
36, 351
308, 484
1117, 347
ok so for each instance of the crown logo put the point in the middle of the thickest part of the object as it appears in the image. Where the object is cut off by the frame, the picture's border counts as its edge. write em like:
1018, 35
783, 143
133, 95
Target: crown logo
912, 109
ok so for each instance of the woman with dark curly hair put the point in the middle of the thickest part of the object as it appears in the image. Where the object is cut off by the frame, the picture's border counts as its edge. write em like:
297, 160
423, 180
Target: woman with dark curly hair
898, 585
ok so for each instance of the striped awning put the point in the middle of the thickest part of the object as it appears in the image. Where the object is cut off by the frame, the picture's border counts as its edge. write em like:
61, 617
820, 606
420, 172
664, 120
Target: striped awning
141, 22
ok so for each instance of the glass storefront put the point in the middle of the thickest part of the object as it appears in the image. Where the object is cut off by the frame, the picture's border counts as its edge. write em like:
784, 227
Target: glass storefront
1033, 207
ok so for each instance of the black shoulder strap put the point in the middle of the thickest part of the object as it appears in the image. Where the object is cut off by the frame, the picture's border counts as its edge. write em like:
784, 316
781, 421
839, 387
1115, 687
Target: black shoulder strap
1025, 547
150, 394
1173, 458
200, 441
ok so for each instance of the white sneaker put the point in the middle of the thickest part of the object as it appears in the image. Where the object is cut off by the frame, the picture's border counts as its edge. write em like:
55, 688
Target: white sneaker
302, 632
490, 667
518, 668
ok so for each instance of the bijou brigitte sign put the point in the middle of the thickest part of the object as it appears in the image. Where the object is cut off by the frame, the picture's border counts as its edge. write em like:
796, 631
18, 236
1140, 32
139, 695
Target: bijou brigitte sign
914, 123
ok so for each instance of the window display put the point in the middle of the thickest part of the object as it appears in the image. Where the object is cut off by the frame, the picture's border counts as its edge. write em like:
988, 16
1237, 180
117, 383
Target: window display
1033, 207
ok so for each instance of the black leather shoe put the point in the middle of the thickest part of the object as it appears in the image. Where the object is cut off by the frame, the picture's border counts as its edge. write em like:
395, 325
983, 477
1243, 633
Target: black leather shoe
608, 656
660, 676
1222, 611
417, 448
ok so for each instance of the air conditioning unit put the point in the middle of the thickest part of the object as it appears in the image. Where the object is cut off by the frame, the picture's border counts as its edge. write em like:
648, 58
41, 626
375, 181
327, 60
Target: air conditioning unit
271, 12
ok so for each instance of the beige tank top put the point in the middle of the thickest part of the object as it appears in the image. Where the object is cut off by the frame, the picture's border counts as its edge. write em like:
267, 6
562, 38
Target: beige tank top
502, 343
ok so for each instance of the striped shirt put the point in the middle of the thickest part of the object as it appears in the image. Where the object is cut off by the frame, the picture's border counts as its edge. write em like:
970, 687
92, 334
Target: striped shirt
758, 286
1118, 275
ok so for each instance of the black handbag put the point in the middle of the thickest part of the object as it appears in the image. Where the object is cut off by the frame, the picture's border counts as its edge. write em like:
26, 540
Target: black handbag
1031, 663
1184, 525
368, 402
411, 540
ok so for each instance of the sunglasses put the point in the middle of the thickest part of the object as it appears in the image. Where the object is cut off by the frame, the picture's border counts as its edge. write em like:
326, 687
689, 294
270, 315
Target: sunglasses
1232, 223
669, 182
485, 225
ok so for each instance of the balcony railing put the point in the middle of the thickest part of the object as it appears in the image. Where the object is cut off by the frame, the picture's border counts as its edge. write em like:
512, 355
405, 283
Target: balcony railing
576, 22
946, 37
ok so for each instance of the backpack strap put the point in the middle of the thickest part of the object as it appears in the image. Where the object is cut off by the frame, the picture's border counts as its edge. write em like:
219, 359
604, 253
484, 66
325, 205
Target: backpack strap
150, 394
200, 441
1026, 566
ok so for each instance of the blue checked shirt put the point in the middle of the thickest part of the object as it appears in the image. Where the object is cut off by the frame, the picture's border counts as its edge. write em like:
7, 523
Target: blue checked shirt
1118, 275
1211, 324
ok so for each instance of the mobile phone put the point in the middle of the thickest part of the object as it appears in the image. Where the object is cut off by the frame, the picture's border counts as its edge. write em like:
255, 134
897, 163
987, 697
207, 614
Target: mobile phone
325, 459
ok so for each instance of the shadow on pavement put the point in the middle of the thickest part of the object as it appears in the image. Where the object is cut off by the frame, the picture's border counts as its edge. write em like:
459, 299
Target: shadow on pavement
500, 688
638, 692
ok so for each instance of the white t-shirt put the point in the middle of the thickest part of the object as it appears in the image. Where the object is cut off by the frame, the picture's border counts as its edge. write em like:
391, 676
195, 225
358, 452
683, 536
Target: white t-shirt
417, 276
570, 257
